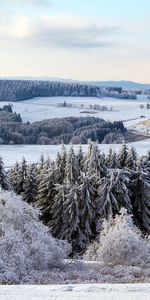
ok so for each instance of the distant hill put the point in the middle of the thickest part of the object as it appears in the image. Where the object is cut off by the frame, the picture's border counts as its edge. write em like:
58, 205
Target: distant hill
126, 85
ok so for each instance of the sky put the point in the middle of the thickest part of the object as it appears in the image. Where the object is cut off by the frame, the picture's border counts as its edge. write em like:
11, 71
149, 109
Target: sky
75, 39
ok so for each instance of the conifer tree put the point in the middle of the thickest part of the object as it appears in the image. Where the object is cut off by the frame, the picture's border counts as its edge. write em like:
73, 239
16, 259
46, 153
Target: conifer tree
112, 195
46, 191
71, 169
30, 185
60, 165
4, 180
122, 156
71, 216
14, 177
106, 203
22, 173
111, 160
57, 210
94, 162
131, 160
80, 158
42, 160
87, 190
146, 163
140, 198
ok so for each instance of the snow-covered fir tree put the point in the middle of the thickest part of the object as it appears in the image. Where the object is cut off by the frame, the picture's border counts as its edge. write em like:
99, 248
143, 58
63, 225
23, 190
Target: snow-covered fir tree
57, 211
140, 198
46, 190
18, 176
13, 174
146, 163
42, 160
4, 179
87, 190
112, 160
105, 202
72, 171
80, 158
112, 195
94, 162
60, 164
71, 217
131, 160
122, 156
30, 185
121, 190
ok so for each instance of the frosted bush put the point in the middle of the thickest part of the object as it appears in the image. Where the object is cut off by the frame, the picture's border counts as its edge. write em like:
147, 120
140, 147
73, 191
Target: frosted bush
25, 245
121, 243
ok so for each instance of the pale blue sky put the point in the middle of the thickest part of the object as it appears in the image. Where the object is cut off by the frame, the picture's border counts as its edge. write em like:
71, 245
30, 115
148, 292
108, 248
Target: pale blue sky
80, 39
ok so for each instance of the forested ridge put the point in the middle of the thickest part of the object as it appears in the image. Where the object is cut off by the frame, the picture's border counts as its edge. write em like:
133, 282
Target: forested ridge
17, 90
54, 131
77, 191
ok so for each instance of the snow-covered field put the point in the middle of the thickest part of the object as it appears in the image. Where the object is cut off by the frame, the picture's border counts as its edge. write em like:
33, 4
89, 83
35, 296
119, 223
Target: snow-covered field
76, 292
143, 127
38, 109
32, 153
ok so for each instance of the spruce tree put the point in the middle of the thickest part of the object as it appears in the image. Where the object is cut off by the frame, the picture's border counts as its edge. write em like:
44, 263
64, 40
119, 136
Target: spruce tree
4, 180
131, 160
106, 203
140, 191
112, 195
46, 192
71, 216
111, 160
87, 190
30, 185
21, 176
14, 177
94, 162
72, 171
122, 156
80, 158
146, 163
60, 165
57, 210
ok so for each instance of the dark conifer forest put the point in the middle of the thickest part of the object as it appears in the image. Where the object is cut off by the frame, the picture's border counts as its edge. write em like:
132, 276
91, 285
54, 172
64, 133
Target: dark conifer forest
17, 90
54, 131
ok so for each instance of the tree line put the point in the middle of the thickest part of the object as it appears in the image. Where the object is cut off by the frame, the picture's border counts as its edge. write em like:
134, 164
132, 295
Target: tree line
54, 131
17, 90
77, 191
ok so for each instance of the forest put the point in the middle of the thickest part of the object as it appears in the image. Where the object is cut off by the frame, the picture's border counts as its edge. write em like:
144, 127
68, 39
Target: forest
17, 90
54, 131
77, 191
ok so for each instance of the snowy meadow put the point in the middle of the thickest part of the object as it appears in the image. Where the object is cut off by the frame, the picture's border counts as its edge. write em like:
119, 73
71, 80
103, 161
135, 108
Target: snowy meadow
14, 153
41, 108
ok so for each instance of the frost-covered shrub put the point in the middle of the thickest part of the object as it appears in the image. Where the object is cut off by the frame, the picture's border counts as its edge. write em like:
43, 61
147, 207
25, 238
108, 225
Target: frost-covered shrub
25, 245
121, 243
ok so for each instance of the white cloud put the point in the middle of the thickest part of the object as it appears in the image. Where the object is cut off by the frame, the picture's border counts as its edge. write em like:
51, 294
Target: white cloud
59, 30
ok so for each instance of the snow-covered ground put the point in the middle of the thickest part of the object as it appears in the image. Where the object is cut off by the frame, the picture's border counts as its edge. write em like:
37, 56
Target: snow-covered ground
143, 127
12, 153
41, 108
76, 292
